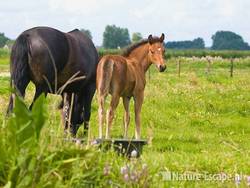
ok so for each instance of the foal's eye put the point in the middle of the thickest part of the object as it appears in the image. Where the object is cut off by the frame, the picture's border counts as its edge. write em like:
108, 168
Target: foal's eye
152, 51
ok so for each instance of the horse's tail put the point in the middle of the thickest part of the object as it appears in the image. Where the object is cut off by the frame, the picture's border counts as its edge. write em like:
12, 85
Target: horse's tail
19, 67
104, 75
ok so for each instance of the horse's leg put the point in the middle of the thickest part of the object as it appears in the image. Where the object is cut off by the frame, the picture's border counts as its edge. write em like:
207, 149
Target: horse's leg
110, 115
126, 118
87, 100
72, 113
138, 105
39, 90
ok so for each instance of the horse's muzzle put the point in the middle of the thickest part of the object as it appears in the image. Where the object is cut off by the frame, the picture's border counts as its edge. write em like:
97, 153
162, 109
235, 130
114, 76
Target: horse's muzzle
162, 68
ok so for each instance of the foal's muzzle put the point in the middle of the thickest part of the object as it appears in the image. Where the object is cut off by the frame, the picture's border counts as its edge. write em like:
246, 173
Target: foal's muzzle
161, 68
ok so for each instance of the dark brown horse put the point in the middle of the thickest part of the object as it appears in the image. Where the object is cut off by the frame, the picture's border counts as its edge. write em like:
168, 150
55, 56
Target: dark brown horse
51, 59
124, 76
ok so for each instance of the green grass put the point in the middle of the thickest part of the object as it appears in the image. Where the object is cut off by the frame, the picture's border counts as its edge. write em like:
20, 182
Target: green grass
196, 123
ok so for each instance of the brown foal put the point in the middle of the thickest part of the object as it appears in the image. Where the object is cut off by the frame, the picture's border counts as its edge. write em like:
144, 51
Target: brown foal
124, 76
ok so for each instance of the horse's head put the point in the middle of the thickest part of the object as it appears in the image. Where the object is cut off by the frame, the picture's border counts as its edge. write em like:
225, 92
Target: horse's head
156, 52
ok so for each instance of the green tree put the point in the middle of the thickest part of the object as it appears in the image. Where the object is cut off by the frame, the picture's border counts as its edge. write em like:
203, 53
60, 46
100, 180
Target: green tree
114, 37
227, 40
136, 37
197, 43
87, 32
3, 40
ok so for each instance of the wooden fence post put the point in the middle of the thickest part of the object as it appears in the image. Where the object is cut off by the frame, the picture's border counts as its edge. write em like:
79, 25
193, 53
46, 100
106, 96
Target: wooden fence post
208, 66
179, 68
231, 68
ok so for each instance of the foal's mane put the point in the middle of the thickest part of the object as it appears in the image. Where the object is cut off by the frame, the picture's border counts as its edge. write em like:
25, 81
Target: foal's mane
126, 52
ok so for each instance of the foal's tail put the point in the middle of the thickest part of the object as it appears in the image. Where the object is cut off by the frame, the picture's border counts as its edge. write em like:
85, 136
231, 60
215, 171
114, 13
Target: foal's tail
104, 75
19, 68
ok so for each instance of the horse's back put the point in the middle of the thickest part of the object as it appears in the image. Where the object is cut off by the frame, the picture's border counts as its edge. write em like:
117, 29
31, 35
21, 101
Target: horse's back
45, 39
84, 52
48, 49
119, 63
116, 69
69, 52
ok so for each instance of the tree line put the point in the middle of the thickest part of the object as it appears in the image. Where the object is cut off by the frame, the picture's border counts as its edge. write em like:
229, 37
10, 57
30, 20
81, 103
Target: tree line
4, 40
117, 37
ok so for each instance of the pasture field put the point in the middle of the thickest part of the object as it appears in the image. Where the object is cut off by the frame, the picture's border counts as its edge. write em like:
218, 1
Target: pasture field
198, 126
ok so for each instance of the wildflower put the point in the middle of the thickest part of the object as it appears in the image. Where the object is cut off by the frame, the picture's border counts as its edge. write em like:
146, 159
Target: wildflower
133, 177
126, 177
94, 142
106, 170
124, 170
248, 180
78, 142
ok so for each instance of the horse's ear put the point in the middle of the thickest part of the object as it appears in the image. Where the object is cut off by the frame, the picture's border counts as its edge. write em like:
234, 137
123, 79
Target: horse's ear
162, 37
150, 39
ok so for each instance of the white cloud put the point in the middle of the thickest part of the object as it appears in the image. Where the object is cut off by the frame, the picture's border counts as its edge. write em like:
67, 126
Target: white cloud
83, 7
180, 20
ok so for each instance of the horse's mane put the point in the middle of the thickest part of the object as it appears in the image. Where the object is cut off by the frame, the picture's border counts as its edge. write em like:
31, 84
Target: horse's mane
126, 52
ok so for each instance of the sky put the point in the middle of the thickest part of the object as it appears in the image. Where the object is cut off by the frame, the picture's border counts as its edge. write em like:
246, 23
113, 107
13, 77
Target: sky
178, 19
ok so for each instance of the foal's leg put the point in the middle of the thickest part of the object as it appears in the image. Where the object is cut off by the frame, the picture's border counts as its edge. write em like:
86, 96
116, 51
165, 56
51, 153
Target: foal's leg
110, 115
126, 118
138, 104
101, 112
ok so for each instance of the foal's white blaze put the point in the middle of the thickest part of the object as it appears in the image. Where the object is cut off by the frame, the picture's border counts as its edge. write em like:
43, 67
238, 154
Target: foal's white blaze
159, 49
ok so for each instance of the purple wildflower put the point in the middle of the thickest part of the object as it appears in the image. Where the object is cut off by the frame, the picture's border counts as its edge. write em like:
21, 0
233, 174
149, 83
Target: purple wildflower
126, 177
124, 170
248, 180
133, 177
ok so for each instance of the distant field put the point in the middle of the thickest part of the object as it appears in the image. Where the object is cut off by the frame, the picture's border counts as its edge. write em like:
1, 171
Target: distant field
198, 123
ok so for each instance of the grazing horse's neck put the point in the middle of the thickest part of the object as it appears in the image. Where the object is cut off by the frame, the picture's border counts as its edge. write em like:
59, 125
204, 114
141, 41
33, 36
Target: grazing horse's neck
141, 55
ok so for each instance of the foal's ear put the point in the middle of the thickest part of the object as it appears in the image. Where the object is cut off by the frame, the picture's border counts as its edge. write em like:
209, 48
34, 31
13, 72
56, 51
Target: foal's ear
162, 37
150, 39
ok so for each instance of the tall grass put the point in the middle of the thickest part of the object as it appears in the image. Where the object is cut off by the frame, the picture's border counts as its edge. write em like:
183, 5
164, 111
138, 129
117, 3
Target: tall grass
197, 123
29, 159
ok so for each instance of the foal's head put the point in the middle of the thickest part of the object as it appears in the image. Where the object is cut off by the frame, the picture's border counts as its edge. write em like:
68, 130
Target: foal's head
156, 52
